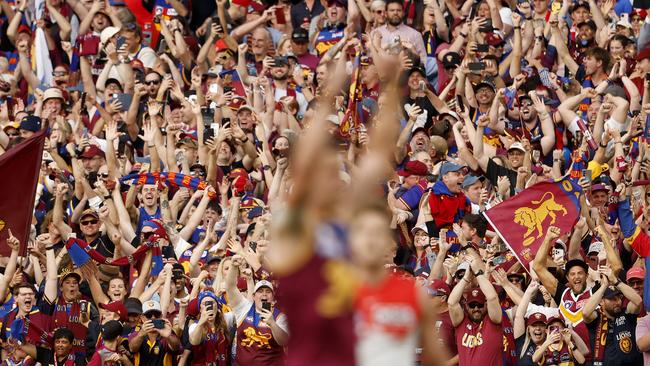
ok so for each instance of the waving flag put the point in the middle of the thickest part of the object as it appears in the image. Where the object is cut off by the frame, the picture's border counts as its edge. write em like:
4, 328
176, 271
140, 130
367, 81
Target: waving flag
352, 117
522, 221
20, 166
231, 79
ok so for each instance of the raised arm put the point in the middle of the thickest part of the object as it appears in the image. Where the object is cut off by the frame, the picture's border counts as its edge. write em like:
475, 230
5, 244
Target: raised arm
539, 263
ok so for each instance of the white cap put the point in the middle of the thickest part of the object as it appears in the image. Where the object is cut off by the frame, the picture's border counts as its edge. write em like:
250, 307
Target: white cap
462, 266
596, 247
517, 146
52, 93
422, 227
262, 283
151, 305
107, 34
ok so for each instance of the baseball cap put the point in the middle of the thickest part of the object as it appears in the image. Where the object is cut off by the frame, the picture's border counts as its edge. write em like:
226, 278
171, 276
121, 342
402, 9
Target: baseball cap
535, 318
494, 39
30, 123
643, 54
263, 283
89, 212
343, 3
471, 179
590, 23
476, 296
112, 329
52, 93
449, 167
300, 35
517, 146
611, 292
419, 69
66, 272
187, 141
635, 272
116, 307
92, 151
576, 262
463, 266
422, 227
555, 318
596, 247
451, 59
133, 306
107, 34
599, 187
213, 72
151, 305
487, 83
113, 81
579, 4
280, 61
438, 287
624, 23
413, 167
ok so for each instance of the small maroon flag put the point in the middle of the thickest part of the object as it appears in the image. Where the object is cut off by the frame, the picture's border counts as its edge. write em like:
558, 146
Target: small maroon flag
19, 172
522, 221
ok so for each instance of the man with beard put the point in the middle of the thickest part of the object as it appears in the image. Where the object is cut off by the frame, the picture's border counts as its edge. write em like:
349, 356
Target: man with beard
572, 295
422, 96
280, 74
537, 123
396, 31
479, 340
612, 328
517, 157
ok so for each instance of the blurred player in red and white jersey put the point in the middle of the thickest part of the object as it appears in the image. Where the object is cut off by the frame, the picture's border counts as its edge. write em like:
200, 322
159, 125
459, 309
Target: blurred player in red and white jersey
393, 314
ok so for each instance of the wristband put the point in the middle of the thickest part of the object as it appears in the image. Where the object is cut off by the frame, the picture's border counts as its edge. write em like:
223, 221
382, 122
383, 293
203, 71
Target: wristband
617, 283
462, 35
245, 141
107, 197
480, 272
516, 28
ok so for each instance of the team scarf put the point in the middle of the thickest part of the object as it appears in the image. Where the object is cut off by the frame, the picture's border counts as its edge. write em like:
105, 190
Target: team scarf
177, 179
601, 337
81, 253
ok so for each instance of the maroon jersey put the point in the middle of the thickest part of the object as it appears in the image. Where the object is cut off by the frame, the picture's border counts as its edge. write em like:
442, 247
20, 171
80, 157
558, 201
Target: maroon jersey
68, 314
255, 343
479, 343
317, 299
446, 333
214, 350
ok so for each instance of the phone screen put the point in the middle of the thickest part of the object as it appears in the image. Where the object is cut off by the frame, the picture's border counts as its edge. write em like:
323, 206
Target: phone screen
279, 15
266, 305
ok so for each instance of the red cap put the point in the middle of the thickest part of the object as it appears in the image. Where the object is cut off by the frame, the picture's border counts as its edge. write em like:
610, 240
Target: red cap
221, 45
414, 167
439, 287
640, 12
240, 180
24, 28
556, 318
493, 39
536, 318
635, 272
92, 151
116, 307
643, 54
476, 295
193, 307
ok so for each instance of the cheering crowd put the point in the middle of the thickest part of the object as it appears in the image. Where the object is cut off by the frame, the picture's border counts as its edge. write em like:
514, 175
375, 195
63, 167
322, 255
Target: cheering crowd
305, 182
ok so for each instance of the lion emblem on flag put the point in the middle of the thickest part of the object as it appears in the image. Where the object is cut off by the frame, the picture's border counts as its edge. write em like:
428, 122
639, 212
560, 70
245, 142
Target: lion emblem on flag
533, 218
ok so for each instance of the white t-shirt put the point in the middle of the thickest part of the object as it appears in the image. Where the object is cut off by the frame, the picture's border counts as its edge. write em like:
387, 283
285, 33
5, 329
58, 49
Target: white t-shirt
229, 317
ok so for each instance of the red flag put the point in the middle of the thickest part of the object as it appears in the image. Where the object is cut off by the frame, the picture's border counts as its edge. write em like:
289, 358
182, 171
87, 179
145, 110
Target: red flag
351, 119
19, 169
522, 221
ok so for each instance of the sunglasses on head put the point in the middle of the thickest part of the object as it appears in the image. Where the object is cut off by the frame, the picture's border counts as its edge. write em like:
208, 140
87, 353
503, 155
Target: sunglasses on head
152, 314
88, 222
476, 305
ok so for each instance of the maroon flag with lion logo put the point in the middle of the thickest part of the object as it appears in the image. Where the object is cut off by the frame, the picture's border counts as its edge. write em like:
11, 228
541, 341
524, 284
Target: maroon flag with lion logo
19, 168
522, 220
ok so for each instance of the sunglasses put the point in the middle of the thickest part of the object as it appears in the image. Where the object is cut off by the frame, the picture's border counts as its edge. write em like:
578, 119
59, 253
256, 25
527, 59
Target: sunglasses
147, 235
515, 279
13, 134
475, 305
88, 222
103, 175
59, 73
152, 82
153, 314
